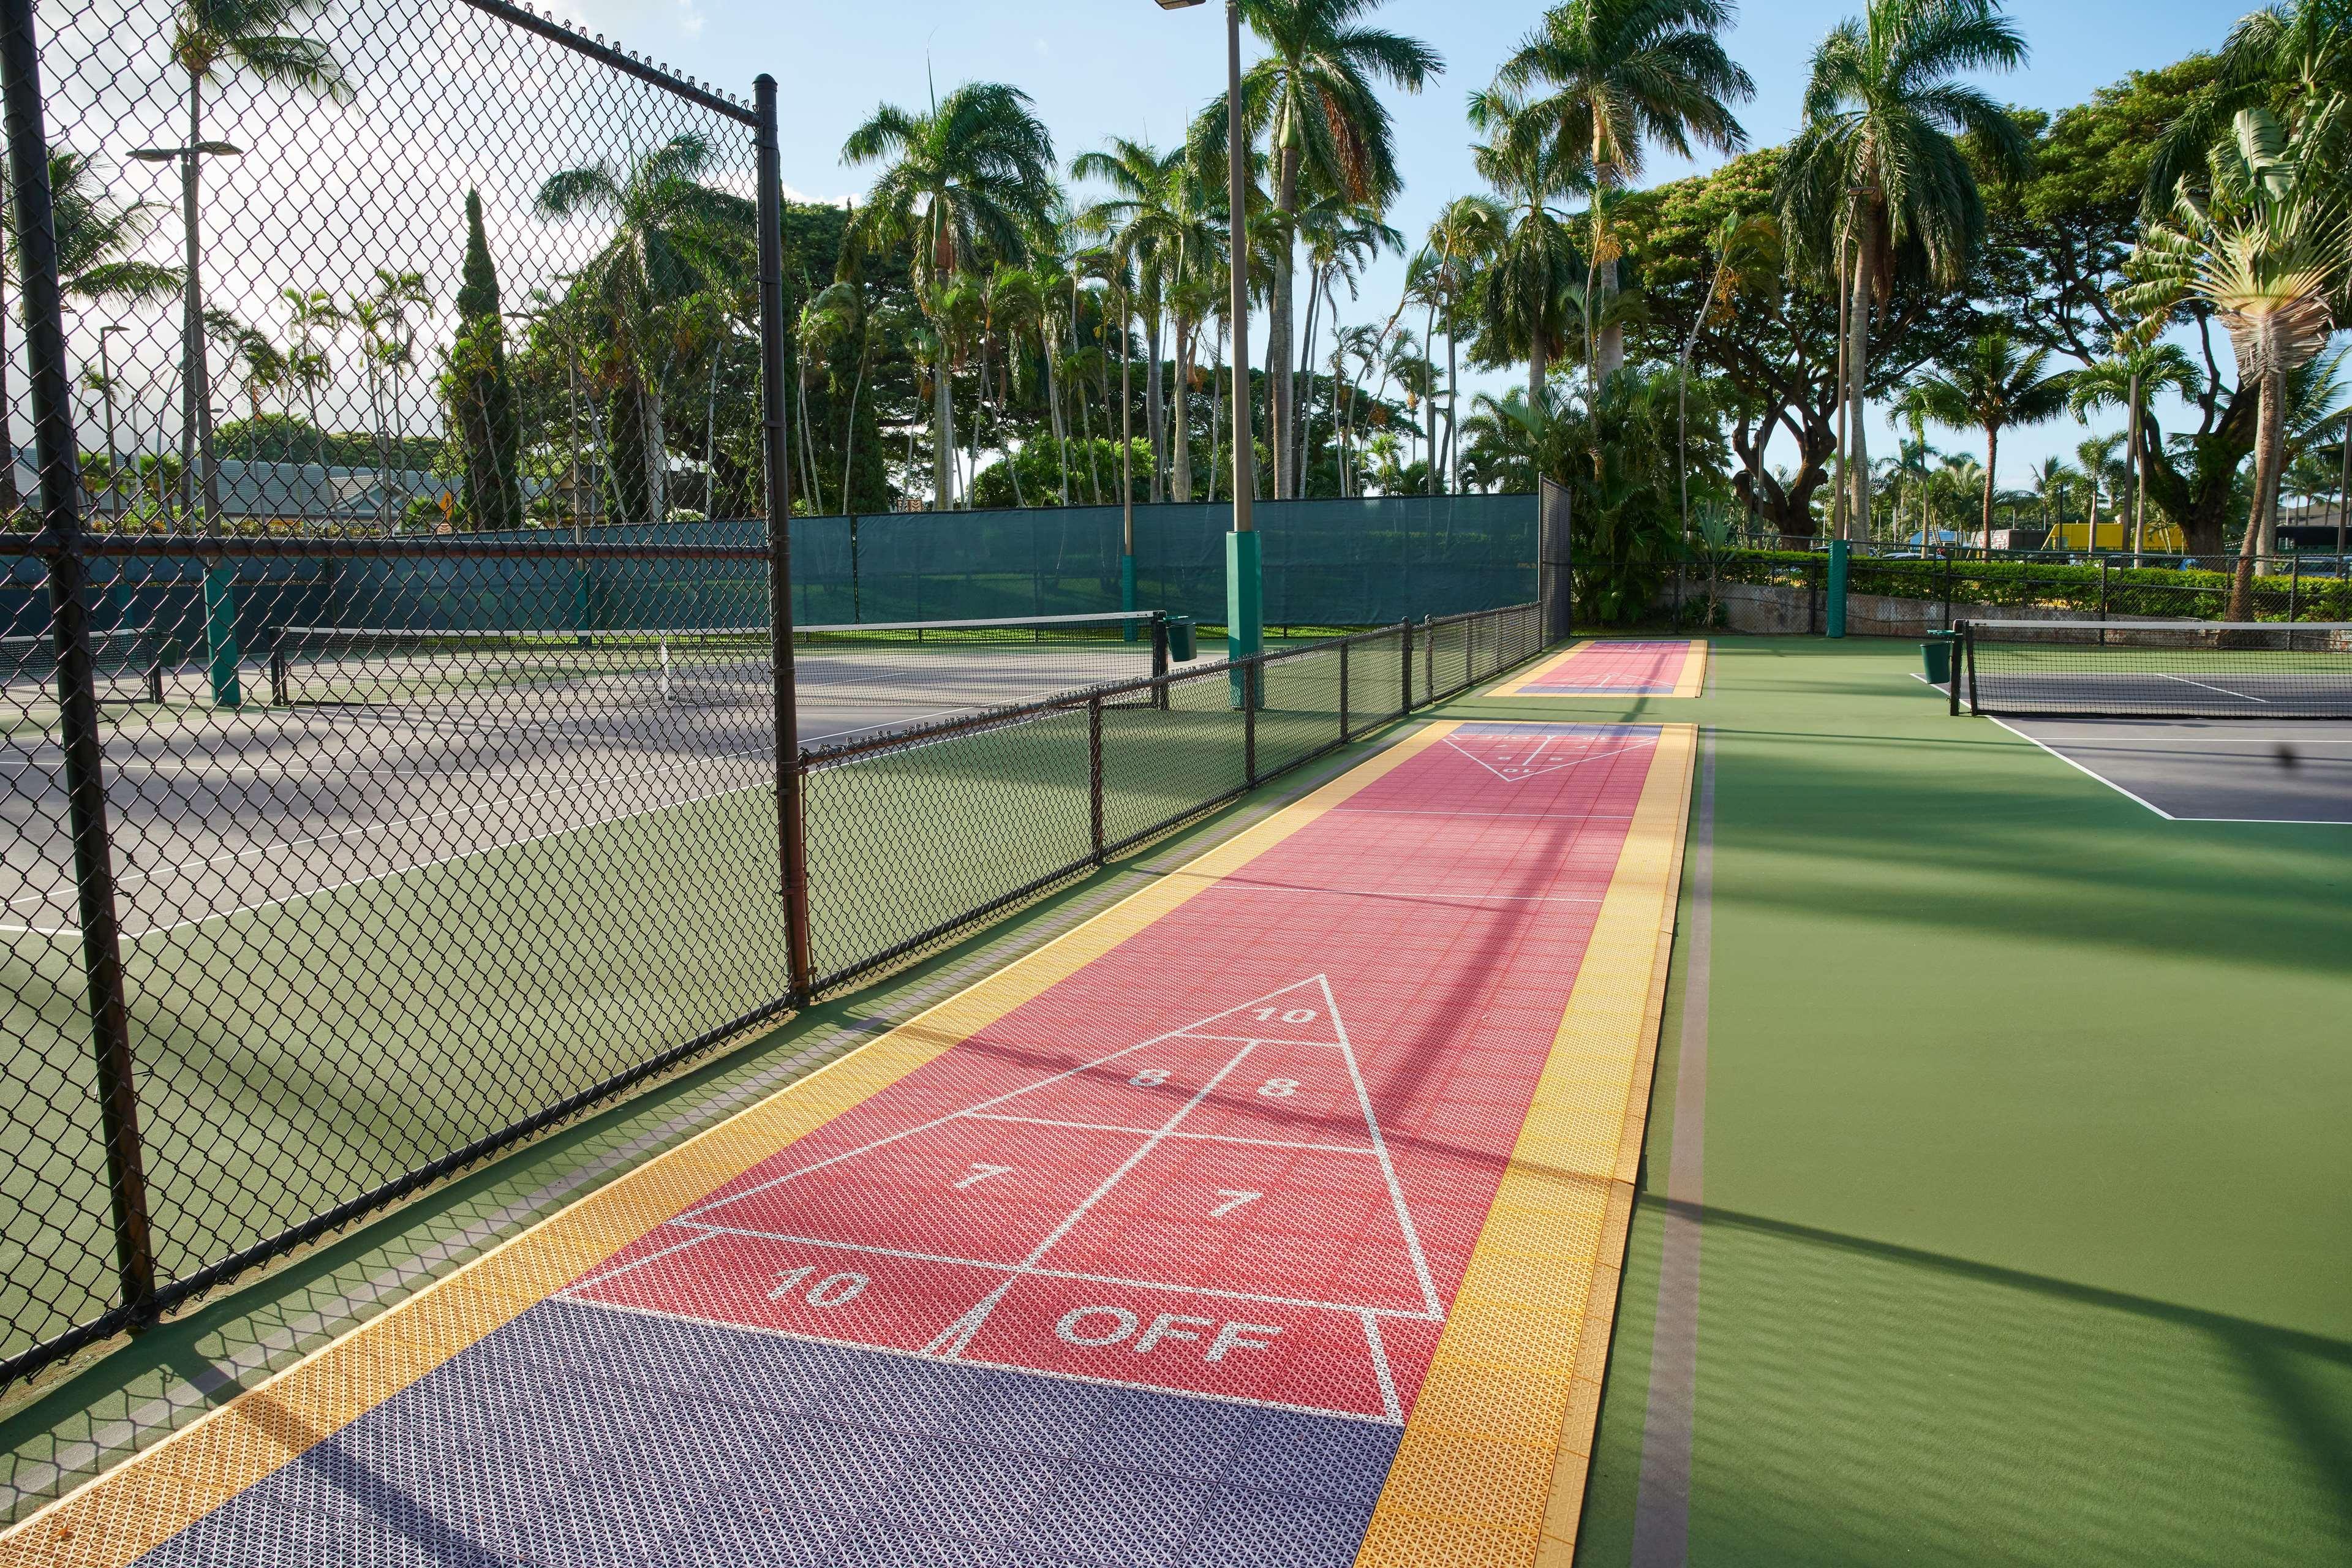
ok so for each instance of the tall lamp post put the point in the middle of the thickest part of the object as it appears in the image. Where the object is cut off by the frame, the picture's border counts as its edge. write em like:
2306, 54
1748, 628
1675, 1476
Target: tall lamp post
1245, 569
200, 482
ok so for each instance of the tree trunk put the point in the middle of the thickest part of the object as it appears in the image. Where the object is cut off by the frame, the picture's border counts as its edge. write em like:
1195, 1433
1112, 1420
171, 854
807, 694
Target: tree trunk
1610, 355
1155, 425
1428, 389
1180, 431
1857, 378
1054, 412
2269, 429
1281, 417
942, 431
1216, 414
1453, 405
1992, 468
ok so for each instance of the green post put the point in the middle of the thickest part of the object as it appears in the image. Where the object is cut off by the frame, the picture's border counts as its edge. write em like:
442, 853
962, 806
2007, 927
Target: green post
1245, 608
1127, 590
1833, 614
220, 635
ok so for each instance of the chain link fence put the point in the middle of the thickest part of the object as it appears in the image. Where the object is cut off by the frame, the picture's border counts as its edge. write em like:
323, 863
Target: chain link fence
401, 753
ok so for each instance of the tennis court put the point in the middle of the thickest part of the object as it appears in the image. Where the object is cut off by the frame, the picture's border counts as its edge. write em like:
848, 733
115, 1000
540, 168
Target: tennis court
1211, 1232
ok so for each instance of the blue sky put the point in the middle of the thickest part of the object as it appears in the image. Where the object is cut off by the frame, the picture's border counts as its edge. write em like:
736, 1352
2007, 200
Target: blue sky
1099, 68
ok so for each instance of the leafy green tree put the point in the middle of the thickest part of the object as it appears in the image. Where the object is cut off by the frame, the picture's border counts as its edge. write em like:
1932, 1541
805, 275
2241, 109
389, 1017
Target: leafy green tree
479, 392
965, 185
1521, 297
2297, 53
2263, 247
1618, 75
672, 234
1998, 385
1877, 179
1313, 99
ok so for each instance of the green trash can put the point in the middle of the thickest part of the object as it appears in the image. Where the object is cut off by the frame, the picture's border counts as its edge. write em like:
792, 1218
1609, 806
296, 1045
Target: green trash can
1937, 653
1184, 639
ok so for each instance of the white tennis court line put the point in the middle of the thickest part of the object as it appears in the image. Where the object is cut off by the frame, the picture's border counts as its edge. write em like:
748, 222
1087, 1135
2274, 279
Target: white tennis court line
2242, 696
2087, 771
1059, 1376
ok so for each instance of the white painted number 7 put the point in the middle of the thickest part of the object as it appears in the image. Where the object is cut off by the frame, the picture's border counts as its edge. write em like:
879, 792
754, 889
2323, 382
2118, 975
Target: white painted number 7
1235, 1198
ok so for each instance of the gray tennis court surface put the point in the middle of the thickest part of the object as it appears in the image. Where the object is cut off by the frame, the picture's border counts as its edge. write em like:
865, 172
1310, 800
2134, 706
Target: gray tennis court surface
2210, 770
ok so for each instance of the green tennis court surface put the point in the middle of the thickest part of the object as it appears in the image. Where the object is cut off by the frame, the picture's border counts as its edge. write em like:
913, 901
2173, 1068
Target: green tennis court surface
2022, 1235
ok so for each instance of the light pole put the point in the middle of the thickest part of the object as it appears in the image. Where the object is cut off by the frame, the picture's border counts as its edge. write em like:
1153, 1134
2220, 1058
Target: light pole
106, 392
1244, 580
199, 481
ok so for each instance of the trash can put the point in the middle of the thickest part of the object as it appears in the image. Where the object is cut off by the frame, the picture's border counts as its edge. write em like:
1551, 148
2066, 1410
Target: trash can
1936, 654
1184, 639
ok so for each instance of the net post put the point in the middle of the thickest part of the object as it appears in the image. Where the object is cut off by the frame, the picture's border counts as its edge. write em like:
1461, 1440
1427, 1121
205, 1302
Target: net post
1952, 675
1160, 660
791, 826
1095, 771
280, 688
1343, 687
1968, 652
155, 682
77, 719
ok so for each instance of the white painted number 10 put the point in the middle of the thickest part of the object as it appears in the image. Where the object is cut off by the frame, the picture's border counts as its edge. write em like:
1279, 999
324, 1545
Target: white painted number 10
1294, 1015
832, 1291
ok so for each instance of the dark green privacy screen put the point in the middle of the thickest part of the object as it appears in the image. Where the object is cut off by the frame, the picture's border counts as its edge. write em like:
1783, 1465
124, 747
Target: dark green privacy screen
1328, 562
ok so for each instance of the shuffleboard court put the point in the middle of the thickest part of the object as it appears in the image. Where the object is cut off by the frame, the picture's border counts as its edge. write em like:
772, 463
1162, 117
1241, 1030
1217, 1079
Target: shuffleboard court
1673, 666
1272, 1217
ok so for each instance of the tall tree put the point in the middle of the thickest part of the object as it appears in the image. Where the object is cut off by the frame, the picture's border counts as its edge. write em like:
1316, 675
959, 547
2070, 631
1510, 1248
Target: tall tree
965, 185
1463, 240
1522, 296
1997, 384
1141, 220
207, 37
1618, 75
1878, 179
480, 393
1313, 101
2275, 58
2262, 246
672, 234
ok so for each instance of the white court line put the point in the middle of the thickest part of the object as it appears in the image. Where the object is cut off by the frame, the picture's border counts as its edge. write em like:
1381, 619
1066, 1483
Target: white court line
1391, 1406
2089, 772
961, 1332
1026, 1270
2242, 696
1388, 1168
1195, 1137
1555, 767
988, 1104
1240, 1399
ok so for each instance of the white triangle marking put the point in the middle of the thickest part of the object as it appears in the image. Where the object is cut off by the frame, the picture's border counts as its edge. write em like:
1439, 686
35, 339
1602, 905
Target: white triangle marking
1521, 772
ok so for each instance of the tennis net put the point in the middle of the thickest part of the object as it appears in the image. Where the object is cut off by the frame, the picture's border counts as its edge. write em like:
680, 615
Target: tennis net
128, 662
941, 666
2159, 669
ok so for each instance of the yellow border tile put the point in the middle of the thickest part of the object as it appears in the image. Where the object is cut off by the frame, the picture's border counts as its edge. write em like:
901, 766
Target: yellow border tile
1517, 1379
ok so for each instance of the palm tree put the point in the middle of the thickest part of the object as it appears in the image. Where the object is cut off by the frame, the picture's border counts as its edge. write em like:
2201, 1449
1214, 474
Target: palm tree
1622, 74
1995, 385
1313, 98
1748, 254
1523, 294
208, 36
2103, 479
1143, 222
1878, 173
672, 236
2052, 478
1464, 239
2300, 52
966, 183
2131, 377
2263, 248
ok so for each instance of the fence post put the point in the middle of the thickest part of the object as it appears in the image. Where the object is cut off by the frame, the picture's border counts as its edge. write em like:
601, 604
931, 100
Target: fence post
1946, 616
77, 721
1343, 688
1429, 656
1249, 683
791, 824
1405, 627
1095, 770
2293, 588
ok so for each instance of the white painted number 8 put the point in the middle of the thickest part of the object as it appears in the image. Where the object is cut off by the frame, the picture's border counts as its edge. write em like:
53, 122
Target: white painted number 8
1279, 1088
1150, 1078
